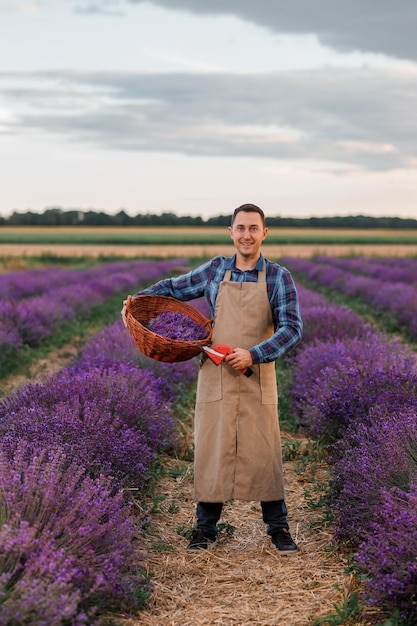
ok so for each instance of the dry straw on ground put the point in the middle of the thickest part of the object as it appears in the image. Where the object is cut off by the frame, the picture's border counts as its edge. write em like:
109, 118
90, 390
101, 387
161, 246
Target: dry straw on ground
244, 580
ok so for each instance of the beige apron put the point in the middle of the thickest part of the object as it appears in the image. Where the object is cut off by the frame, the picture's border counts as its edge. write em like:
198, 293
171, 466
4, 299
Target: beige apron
237, 437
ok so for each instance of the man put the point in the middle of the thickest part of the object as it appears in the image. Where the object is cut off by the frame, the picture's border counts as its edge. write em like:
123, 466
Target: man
237, 439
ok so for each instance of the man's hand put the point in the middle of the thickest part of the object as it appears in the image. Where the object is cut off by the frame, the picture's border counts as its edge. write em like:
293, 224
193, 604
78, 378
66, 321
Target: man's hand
239, 359
123, 311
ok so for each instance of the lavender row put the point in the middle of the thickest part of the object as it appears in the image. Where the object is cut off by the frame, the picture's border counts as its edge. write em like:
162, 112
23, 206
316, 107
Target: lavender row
29, 321
33, 282
356, 391
22, 284
399, 300
391, 269
72, 449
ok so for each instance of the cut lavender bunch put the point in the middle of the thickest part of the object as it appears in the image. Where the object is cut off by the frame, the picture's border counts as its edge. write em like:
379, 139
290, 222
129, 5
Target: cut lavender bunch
175, 325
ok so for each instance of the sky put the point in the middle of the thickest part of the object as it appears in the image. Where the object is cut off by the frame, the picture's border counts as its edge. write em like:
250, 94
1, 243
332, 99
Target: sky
306, 108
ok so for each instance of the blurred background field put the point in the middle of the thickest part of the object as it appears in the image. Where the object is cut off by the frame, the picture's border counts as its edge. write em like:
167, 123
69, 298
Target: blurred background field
196, 242
172, 235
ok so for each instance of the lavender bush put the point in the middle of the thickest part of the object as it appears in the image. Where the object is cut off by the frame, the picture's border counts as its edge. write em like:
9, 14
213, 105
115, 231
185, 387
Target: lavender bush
71, 527
397, 300
310, 298
336, 382
114, 343
31, 282
68, 540
68, 545
36, 586
27, 317
110, 419
375, 454
328, 322
390, 269
388, 554
22, 284
357, 392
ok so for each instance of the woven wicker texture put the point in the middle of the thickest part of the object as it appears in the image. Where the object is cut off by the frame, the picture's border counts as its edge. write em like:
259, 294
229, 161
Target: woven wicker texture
142, 309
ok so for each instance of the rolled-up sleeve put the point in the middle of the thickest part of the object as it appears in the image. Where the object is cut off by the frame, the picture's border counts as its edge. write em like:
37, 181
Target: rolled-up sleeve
184, 287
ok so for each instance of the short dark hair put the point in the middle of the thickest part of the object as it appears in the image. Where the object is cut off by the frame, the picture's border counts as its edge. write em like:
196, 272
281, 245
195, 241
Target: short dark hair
249, 208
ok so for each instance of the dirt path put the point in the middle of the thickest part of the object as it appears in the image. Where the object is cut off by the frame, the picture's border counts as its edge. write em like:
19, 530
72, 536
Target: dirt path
39, 370
244, 580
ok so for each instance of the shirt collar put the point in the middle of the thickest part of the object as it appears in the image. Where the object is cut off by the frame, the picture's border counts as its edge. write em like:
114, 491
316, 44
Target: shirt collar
231, 263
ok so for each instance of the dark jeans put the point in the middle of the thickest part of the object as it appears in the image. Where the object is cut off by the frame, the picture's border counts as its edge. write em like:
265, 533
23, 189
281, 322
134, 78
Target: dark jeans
273, 513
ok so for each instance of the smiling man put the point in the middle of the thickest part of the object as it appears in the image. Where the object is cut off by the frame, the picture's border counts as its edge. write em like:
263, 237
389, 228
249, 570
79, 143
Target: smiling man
255, 308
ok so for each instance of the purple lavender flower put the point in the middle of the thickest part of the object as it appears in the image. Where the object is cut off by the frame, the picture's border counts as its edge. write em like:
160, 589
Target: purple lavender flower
330, 322
175, 325
67, 543
30, 313
337, 382
31, 282
9, 338
70, 540
310, 298
397, 299
388, 554
114, 344
374, 454
38, 583
110, 419
358, 394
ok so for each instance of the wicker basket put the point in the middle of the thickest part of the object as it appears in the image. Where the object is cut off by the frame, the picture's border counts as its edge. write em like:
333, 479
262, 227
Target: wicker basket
140, 310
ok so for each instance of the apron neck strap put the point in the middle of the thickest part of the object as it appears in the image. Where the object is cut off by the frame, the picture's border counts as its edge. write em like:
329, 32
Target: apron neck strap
261, 274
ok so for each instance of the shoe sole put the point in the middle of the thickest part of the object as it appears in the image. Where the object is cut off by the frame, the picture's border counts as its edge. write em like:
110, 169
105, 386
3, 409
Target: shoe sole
210, 546
287, 552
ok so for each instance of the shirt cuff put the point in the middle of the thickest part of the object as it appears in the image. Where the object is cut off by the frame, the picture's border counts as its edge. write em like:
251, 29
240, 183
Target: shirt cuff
256, 355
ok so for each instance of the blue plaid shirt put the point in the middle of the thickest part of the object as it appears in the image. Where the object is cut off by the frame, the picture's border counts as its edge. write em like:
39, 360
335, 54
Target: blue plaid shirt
205, 280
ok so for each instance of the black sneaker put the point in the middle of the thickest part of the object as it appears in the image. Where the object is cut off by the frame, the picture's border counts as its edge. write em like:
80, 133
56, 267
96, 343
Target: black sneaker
283, 542
201, 540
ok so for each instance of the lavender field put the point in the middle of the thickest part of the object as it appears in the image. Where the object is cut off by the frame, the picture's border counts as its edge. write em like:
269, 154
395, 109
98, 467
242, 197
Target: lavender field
78, 449
35, 302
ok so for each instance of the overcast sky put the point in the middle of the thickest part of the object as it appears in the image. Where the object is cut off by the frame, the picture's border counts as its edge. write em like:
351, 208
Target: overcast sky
307, 108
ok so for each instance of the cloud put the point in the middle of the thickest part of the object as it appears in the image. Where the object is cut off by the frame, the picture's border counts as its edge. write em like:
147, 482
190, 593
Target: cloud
99, 7
360, 119
377, 26
22, 7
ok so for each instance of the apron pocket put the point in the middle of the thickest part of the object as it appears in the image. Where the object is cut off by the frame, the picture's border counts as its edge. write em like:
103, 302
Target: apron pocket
209, 383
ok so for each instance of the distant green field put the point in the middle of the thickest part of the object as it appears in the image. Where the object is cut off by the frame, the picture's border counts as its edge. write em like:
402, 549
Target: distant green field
199, 236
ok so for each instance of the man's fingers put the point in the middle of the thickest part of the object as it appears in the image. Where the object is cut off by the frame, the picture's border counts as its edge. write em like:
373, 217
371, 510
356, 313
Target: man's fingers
123, 311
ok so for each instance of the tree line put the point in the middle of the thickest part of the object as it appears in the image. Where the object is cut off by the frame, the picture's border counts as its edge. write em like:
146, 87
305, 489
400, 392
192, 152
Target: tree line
59, 217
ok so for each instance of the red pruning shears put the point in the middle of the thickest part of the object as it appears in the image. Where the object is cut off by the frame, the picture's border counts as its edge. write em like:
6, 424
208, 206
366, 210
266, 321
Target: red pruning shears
218, 353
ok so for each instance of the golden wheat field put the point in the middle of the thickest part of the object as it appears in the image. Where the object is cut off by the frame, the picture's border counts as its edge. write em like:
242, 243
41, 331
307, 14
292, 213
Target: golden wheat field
194, 242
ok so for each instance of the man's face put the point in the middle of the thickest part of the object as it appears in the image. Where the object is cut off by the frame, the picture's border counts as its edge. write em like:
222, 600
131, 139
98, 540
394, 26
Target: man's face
248, 234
